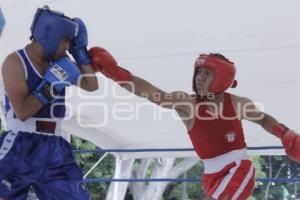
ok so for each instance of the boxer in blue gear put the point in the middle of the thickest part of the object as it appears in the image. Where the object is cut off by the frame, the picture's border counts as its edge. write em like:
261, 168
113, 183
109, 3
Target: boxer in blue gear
34, 152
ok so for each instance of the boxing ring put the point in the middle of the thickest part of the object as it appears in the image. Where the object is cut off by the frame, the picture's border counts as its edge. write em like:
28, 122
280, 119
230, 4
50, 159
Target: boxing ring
118, 172
264, 46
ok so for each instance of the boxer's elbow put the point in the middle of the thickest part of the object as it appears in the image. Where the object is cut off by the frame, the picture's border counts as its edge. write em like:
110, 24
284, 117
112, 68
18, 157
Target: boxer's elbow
22, 116
26, 109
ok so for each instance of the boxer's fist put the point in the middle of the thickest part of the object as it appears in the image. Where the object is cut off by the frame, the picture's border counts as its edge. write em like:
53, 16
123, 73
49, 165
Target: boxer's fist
60, 74
104, 62
78, 47
290, 141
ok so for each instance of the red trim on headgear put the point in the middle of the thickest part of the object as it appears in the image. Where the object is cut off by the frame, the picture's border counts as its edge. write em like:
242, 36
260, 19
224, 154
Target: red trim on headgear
224, 72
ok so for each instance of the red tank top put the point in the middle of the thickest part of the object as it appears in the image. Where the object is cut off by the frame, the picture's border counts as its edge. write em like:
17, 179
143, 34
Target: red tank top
217, 136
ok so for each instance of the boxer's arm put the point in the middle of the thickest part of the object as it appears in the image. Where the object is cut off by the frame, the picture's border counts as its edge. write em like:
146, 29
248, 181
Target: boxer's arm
173, 100
104, 62
289, 138
24, 104
180, 101
88, 79
247, 109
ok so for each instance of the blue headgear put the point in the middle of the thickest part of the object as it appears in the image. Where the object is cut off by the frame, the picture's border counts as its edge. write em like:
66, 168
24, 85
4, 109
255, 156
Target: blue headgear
2, 21
49, 27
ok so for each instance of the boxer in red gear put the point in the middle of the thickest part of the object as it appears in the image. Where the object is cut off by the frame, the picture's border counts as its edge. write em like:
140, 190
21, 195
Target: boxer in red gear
212, 118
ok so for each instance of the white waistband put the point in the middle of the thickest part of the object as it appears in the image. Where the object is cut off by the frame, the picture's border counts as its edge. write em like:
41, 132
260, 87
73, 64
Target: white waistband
213, 165
30, 125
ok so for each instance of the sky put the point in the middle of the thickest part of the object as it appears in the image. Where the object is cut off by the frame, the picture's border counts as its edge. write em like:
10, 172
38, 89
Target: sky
160, 40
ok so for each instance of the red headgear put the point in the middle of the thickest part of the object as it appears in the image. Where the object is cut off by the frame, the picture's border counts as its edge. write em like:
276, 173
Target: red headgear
224, 72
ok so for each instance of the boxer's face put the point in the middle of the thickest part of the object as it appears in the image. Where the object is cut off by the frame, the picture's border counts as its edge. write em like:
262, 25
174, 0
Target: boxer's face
63, 47
203, 80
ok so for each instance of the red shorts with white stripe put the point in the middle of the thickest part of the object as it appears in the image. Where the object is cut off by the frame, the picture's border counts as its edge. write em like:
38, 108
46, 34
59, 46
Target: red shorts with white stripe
235, 181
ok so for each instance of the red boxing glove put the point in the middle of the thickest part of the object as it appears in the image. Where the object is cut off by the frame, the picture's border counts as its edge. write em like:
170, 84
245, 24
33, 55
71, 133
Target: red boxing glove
103, 61
290, 141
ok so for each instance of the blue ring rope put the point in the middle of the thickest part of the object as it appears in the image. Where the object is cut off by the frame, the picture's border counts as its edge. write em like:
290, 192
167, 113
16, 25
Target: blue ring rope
97, 180
162, 149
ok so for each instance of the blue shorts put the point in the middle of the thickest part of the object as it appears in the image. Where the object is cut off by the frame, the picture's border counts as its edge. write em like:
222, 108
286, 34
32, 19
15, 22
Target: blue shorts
42, 162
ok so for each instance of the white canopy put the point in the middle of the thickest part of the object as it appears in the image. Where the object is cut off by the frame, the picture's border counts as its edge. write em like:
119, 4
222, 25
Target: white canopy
159, 41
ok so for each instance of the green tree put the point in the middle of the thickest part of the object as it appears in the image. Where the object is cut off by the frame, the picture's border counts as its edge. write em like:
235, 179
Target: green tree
194, 189
86, 160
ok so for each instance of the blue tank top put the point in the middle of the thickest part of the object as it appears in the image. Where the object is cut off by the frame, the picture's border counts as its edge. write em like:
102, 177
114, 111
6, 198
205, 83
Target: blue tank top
33, 78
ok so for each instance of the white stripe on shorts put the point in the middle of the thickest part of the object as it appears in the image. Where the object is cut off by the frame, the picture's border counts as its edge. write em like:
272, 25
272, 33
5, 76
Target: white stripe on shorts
225, 181
7, 144
244, 183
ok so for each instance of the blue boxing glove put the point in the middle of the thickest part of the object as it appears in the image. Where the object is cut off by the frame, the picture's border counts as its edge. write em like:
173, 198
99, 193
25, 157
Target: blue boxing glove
78, 47
60, 73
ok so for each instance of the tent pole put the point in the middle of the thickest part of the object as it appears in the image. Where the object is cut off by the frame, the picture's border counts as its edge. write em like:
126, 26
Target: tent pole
117, 176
